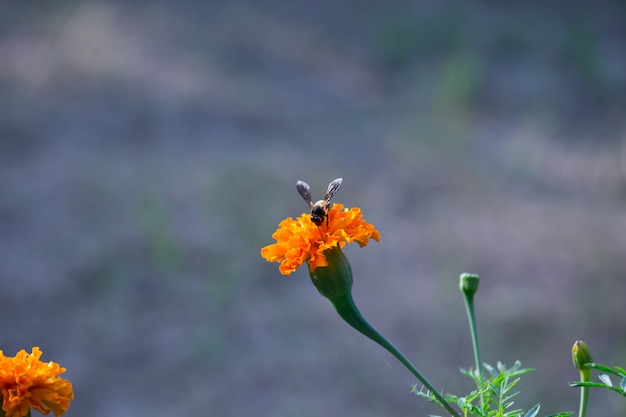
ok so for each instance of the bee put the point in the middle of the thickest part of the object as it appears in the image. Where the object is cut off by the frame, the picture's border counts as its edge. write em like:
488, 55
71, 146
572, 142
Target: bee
319, 210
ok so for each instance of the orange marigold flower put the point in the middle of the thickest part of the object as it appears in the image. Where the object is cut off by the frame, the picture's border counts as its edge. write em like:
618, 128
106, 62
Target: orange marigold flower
301, 240
27, 382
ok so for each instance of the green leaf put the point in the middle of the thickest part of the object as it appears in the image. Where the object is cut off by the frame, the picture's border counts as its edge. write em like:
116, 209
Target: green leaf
597, 385
606, 379
604, 368
533, 411
490, 369
589, 384
620, 370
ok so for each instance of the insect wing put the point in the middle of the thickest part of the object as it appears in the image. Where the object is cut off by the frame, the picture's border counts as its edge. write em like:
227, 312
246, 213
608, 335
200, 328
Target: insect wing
332, 189
305, 192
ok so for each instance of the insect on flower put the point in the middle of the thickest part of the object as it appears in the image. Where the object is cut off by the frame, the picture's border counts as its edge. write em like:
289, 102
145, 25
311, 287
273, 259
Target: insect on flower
319, 210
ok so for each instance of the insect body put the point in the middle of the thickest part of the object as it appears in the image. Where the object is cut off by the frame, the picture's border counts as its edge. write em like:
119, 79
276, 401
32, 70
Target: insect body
319, 210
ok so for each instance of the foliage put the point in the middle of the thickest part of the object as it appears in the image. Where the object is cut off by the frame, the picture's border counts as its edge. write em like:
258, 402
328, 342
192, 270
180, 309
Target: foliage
493, 396
605, 379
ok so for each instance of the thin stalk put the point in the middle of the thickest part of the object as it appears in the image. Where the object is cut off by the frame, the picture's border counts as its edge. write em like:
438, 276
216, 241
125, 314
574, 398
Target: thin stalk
585, 375
584, 393
468, 284
469, 307
349, 312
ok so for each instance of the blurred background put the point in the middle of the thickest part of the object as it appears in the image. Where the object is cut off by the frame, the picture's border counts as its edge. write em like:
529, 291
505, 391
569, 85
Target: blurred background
148, 150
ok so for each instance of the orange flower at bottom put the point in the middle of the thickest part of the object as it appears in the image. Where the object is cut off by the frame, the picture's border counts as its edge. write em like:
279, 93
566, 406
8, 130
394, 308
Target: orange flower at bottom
301, 240
27, 382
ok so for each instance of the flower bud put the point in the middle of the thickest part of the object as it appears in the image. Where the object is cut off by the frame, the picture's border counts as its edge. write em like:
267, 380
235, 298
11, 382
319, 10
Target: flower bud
581, 355
468, 283
334, 280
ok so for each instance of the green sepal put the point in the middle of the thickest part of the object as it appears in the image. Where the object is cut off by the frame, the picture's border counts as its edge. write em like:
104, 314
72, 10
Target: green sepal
335, 280
581, 356
468, 283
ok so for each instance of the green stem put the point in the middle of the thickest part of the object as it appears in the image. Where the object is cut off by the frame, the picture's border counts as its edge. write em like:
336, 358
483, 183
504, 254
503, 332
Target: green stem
469, 307
348, 311
585, 375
